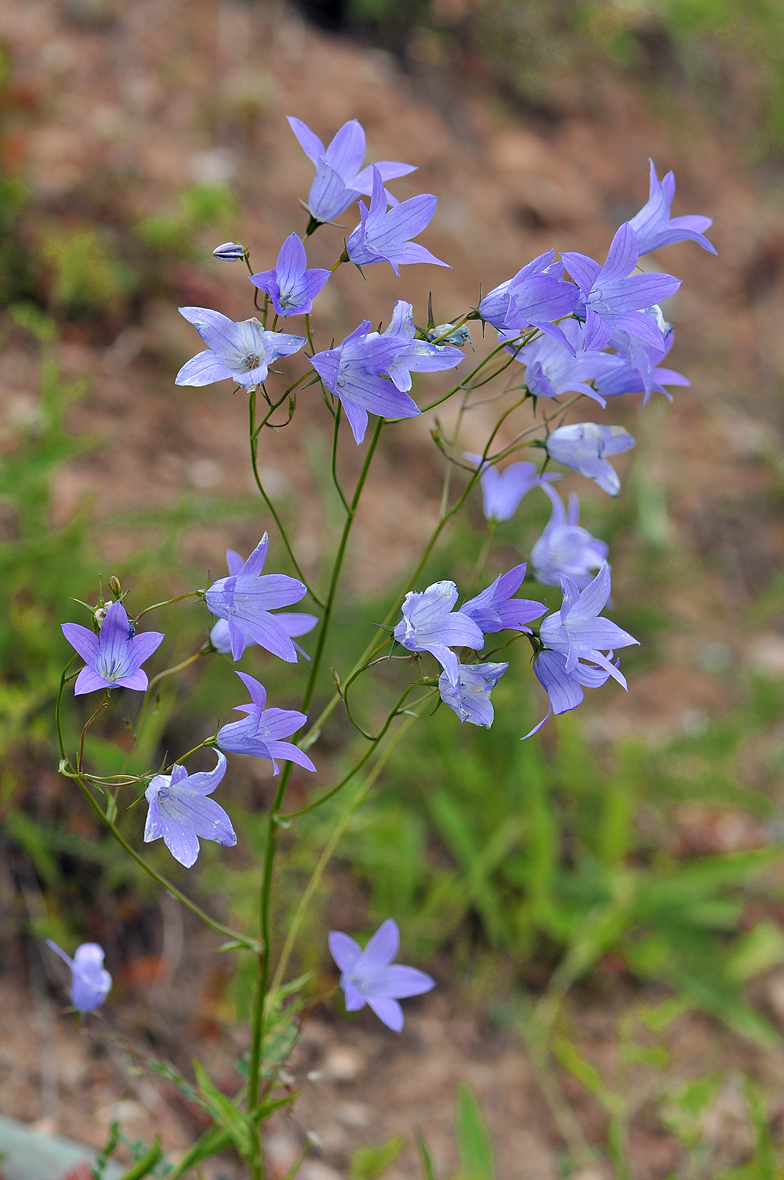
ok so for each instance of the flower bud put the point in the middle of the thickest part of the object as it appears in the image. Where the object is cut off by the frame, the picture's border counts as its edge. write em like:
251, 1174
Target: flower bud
449, 334
229, 252
116, 588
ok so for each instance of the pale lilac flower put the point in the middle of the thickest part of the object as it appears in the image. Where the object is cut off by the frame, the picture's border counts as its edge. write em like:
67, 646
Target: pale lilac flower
370, 977
653, 225
642, 374
554, 368
502, 491
565, 549
245, 600
241, 351
583, 447
577, 633
421, 356
383, 234
229, 252
90, 981
292, 622
354, 372
495, 609
114, 656
612, 297
470, 700
565, 689
534, 297
338, 180
291, 286
260, 732
181, 812
430, 623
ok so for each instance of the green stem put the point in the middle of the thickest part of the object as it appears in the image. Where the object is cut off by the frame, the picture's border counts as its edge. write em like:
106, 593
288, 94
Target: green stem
334, 467
168, 602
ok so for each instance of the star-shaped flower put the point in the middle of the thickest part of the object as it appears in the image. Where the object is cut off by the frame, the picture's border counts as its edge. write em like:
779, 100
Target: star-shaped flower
383, 234
370, 977
181, 812
114, 656
241, 351
430, 623
260, 732
291, 286
577, 633
495, 609
584, 445
653, 225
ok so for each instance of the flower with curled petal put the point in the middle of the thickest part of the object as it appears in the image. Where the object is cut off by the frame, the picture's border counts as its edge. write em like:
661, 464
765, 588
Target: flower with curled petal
259, 733
370, 976
576, 632
180, 812
653, 225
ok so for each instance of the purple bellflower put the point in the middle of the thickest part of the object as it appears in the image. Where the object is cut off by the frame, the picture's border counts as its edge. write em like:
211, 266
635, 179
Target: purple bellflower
576, 632
245, 600
502, 491
471, 698
583, 447
495, 609
229, 252
564, 689
653, 225
642, 374
534, 297
565, 549
430, 623
181, 812
612, 297
291, 286
114, 656
260, 732
370, 976
242, 351
90, 981
554, 368
383, 234
354, 372
293, 623
339, 181
421, 356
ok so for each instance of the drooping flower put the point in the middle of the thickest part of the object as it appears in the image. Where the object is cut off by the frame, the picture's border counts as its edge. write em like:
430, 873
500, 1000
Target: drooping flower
502, 491
383, 234
565, 689
554, 368
338, 180
370, 977
421, 356
354, 372
564, 548
576, 632
471, 698
241, 351
614, 298
292, 622
653, 225
114, 656
495, 609
260, 732
245, 600
291, 286
229, 252
534, 297
90, 981
641, 374
584, 445
181, 812
430, 623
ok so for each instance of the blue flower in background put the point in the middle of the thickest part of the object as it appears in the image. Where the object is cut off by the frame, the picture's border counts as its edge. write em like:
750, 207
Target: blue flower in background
90, 981
565, 549
114, 656
502, 491
291, 286
584, 445
292, 622
653, 225
181, 813
370, 977
240, 351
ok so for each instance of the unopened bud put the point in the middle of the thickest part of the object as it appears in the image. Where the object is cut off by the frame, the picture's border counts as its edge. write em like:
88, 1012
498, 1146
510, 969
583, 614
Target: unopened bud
449, 334
229, 252
115, 587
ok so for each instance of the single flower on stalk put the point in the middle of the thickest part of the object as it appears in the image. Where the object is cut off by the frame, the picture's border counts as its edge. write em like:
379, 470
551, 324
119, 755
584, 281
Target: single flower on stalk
584, 446
114, 656
291, 286
576, 632
565, 549
613, 297
534, 297
370, 976
246, 598
356, 372
495, 609
470, 699
653, 225
90, 981
292, 622
502, 491
181, 813
260, 732
340, 178
430, 623
383, 234
565, 689
554, 368
240, 351
421, 356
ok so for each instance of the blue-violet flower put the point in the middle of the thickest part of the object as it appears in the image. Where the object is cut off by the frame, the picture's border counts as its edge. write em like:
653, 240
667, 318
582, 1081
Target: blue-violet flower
260, 732
383, 234
370, 977
653, 225
471, 698
564, 548
495, 609
241, 351
181, 812
502, 491
583, 447
90, 981
430, 623
291, 286
114, 656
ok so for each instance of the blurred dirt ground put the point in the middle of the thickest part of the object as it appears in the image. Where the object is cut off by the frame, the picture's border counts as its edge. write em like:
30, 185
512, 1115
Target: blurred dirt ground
129, 111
